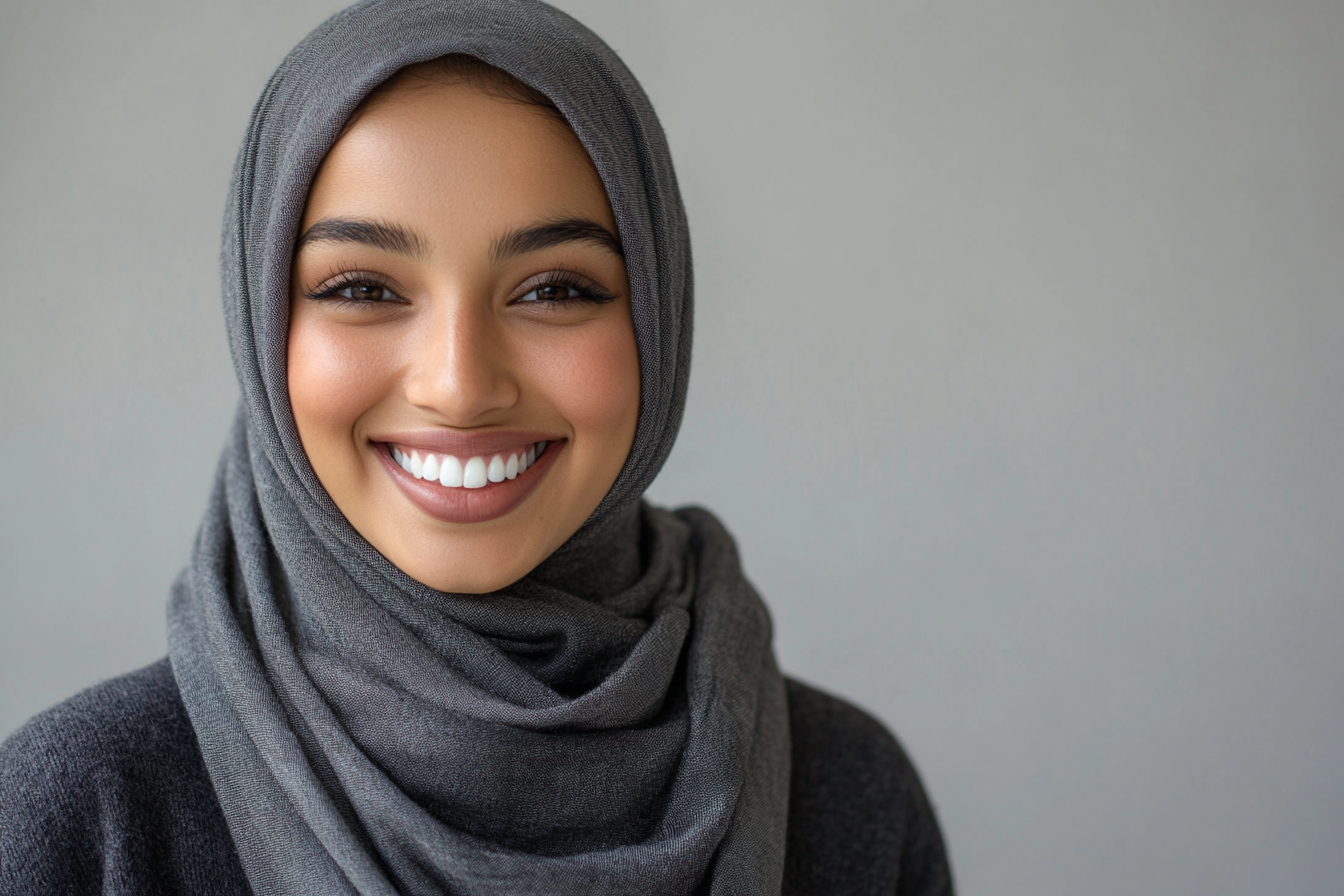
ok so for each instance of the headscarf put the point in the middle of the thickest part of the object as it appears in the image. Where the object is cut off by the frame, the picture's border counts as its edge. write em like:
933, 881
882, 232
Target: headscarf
612, 723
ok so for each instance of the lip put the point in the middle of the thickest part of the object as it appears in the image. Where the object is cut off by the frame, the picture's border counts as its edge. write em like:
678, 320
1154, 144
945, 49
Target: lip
458, 444
467, 505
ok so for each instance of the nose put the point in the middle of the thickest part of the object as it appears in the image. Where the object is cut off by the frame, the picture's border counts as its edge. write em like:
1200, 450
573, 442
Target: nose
461, 370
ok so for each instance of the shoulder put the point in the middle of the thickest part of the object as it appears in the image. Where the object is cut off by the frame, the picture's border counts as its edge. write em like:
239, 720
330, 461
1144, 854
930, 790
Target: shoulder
859, 820
107, 792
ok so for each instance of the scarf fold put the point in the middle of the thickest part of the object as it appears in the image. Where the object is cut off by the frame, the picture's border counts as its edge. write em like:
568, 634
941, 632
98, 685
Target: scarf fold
614, 722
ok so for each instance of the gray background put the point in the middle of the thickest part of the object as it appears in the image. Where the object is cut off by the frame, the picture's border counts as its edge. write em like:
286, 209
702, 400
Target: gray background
1017, 376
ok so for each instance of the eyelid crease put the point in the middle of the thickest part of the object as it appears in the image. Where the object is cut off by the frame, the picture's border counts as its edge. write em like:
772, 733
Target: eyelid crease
588, 286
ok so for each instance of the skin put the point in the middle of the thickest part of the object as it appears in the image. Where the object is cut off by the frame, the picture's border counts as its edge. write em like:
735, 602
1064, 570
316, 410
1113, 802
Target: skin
452, 337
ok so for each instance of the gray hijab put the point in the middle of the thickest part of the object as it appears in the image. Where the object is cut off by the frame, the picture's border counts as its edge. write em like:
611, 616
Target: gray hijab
612, 723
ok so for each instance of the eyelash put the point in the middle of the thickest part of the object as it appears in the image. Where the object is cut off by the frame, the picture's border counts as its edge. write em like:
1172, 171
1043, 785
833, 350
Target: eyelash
587, 290
571, 280
330, 292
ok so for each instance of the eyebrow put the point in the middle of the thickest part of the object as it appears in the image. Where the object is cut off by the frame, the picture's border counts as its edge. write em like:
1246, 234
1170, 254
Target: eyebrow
554, 233
395, 238
379, 234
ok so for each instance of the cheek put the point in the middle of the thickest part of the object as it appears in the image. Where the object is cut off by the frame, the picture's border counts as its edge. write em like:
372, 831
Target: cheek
335, 375
592, 379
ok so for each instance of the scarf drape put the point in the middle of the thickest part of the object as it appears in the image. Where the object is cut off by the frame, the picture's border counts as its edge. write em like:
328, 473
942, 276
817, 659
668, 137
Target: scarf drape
614, 722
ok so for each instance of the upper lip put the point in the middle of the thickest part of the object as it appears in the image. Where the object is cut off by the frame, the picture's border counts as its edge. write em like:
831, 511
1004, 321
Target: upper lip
465, 444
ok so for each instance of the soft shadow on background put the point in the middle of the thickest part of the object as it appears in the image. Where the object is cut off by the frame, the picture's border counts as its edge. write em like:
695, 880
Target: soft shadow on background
1018, 377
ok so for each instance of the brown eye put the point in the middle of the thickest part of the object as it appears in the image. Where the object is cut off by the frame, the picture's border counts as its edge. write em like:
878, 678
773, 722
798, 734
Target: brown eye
561, 293
553, 292
356, 292
556, 294
365, 292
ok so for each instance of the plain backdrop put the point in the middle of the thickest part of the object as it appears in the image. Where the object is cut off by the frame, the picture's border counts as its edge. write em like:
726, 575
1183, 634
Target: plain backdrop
1018, 376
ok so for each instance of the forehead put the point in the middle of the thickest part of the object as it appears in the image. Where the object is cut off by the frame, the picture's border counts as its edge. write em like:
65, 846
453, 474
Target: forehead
445, 155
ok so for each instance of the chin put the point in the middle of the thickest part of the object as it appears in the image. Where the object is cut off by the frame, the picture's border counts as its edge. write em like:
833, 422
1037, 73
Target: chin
459, 581
470, 562
420, 526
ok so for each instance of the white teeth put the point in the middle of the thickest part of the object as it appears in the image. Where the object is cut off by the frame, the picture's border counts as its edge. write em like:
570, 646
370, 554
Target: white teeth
450, 474
473, 475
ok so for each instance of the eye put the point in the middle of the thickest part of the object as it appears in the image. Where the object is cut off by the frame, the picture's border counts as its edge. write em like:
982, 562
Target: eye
366, 292
553, 292
563, 289
355, 291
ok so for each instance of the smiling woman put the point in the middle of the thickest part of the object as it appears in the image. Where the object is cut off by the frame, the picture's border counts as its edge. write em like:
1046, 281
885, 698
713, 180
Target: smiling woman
431, 640
470, 346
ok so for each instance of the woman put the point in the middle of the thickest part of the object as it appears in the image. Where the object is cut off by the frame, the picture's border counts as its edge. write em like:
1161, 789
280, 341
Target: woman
430, 640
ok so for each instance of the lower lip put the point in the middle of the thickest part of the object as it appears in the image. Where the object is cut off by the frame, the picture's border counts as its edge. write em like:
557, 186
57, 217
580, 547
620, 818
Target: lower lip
469, 505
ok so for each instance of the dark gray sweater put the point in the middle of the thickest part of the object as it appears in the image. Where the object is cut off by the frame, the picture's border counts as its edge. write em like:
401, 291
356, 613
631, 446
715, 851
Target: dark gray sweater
107, 793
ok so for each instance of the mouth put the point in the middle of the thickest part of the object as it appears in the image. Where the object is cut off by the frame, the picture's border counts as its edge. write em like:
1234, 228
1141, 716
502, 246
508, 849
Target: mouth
469, 483
475, 471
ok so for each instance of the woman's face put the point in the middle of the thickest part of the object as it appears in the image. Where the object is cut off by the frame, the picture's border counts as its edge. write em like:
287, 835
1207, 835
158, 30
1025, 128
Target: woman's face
462, 360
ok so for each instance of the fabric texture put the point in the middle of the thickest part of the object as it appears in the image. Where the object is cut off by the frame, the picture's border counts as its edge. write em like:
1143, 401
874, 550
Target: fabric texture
107, 795
615, 721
